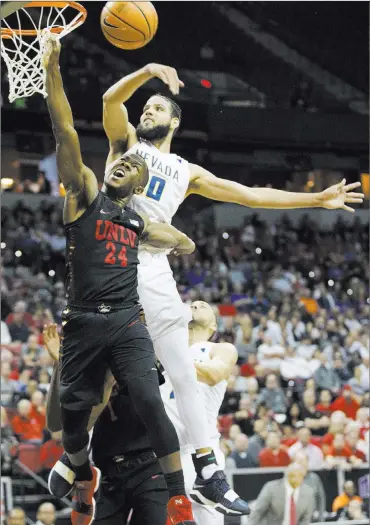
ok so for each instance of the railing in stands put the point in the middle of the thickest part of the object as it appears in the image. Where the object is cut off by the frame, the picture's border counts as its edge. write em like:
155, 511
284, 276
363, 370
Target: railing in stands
38, 479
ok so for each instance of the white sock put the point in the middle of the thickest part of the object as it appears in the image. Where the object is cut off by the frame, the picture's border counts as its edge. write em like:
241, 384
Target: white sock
209, 470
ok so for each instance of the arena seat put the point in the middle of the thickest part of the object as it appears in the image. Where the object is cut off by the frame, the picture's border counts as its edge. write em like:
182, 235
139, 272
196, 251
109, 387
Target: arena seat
29, 455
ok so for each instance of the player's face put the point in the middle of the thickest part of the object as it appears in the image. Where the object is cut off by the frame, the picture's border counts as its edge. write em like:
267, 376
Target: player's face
124, 176
203, 315
156, 122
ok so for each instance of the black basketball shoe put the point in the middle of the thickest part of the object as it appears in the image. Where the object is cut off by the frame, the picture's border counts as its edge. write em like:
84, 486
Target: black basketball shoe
61, 477
217, 493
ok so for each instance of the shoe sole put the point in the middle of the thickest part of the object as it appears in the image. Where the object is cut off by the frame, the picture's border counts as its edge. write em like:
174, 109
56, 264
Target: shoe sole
93, 503
65, 473
199, 498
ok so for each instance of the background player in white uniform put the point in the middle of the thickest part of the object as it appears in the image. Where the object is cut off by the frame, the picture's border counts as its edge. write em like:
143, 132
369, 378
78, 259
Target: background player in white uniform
171, 180
213, 362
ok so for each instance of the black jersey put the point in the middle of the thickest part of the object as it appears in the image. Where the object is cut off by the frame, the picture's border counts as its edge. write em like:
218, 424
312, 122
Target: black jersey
118, 431
102, 255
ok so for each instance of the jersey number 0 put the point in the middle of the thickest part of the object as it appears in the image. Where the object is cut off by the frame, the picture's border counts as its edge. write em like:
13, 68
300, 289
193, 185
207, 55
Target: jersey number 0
155, 188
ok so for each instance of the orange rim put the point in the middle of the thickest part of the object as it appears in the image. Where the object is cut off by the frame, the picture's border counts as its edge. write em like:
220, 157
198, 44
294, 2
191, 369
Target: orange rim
8, 33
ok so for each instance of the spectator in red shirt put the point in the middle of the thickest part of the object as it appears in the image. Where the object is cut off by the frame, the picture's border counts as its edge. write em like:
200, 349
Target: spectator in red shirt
26, 427
363, 419
20, 308
248, 369
51, 451
274, 455
324, 405
337, 425
338, 454
356, 446
346, 403
38, 410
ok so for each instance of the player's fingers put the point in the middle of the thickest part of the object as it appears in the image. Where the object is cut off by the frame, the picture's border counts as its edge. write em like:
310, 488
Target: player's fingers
347, 208
355, 195
173, 83
354, 201
179, 82
352, 186
162, 75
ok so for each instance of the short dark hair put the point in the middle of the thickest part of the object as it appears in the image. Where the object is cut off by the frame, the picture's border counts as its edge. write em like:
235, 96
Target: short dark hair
175, 108
142, 165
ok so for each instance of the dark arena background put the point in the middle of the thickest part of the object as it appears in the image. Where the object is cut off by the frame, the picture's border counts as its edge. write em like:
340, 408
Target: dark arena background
276, 95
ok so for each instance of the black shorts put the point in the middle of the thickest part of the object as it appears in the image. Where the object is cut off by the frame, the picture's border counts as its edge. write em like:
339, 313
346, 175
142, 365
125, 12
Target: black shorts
94, 341
138, 488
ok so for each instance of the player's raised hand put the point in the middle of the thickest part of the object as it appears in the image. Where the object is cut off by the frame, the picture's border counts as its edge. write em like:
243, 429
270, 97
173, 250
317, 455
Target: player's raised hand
168, 75
185, 246
51, 340
50, 49
338, 195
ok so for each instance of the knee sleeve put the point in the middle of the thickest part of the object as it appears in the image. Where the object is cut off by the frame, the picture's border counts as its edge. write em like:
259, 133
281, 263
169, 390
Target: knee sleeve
145, 395
74, 425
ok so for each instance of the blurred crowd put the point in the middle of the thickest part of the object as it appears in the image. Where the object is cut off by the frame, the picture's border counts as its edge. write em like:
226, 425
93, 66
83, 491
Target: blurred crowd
293, 299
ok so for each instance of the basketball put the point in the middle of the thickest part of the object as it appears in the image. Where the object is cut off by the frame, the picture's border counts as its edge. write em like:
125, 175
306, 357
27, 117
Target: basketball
129, 25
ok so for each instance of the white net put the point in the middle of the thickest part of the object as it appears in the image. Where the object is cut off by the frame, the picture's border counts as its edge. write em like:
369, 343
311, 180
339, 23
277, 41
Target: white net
22, 42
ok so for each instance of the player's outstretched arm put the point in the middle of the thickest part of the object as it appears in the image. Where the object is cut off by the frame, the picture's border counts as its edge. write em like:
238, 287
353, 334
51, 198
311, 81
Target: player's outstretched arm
204, 183
115, 117
162, 235
79, 181
223, 357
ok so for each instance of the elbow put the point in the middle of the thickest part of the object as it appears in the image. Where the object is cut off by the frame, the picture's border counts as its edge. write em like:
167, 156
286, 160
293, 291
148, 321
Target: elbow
214, 379
191, 247
52, 425
253, 201
106, 98
110, 98
62, 130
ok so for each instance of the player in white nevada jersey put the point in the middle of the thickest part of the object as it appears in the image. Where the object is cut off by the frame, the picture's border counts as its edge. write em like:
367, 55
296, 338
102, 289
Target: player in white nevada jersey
213, 362
171, 180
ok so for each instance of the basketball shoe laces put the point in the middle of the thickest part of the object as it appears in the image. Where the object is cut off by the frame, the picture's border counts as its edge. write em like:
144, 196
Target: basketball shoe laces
81, 497
220, 484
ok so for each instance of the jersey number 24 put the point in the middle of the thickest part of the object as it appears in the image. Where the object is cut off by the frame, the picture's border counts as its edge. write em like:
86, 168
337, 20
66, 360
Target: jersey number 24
155, 188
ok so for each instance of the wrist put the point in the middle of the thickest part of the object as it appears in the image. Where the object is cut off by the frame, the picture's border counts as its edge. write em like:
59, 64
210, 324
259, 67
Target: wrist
148, 71
318, 199
52, 68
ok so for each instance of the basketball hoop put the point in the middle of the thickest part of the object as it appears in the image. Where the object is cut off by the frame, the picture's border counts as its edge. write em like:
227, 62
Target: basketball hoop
22, 46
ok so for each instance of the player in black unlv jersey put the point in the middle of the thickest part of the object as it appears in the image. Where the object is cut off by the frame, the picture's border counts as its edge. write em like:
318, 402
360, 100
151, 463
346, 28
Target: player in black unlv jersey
102, 325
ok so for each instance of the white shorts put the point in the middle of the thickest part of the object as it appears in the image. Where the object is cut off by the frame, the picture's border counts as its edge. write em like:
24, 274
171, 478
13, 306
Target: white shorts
203, 515
163, 307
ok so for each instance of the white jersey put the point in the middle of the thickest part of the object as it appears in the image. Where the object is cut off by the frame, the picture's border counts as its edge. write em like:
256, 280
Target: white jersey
212, 396
167, 186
